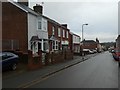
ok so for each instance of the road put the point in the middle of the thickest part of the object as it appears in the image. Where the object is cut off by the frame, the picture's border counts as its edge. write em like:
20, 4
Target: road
100, 71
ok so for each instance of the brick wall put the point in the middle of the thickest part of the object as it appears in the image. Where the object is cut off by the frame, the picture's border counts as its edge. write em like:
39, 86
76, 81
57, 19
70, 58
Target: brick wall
14, 25
90, 46
50, 25
60, 56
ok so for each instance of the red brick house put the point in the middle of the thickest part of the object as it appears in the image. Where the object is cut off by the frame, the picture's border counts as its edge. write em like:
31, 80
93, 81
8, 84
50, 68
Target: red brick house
14, 27
89, 44
58, 36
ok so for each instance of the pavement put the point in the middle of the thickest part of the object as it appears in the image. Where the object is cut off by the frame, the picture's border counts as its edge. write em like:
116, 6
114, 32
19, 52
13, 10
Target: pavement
100, 71
22, 68
22, 72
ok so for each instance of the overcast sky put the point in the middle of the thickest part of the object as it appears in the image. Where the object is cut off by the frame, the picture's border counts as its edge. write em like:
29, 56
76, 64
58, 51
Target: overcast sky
101, 15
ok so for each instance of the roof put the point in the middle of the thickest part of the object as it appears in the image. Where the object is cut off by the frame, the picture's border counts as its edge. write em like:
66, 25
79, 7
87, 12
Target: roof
88, 41
52, 38
35, 38
29, 10
23, 7
74, 34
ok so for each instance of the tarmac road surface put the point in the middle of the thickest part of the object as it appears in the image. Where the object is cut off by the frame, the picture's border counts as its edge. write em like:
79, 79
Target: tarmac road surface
100, 71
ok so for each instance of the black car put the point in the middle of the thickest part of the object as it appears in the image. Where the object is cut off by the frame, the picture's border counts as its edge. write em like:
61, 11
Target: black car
9, 60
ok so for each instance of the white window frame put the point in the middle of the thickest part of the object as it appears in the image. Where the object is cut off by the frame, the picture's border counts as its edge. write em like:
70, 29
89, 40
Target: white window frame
67, 34
39, 24
53, 30
59, 32
44, 26
55, 45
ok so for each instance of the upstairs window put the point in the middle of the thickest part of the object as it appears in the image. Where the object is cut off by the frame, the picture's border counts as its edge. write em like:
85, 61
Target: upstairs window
53, 30
67, 34
44, 25
39, 25
59, 32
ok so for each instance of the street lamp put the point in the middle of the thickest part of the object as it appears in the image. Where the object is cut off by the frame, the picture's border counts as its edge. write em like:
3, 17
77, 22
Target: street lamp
83, 41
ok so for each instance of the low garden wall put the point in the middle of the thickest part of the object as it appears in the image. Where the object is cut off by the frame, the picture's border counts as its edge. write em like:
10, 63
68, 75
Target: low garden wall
43, 58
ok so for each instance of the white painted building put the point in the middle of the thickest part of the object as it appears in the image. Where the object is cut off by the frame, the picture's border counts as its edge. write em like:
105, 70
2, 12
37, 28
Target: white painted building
37, 33
76, 43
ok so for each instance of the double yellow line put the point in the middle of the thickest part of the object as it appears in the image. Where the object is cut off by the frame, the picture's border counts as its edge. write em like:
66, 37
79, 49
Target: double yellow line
36, 81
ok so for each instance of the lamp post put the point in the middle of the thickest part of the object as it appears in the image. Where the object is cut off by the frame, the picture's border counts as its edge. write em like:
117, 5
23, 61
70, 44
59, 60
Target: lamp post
83, 41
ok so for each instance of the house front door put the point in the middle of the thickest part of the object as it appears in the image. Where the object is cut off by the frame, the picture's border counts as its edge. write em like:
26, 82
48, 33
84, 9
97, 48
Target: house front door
39, 46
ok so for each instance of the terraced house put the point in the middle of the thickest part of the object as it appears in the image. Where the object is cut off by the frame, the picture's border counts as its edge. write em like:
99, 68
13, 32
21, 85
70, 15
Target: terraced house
58, 36
75, 42
29, 29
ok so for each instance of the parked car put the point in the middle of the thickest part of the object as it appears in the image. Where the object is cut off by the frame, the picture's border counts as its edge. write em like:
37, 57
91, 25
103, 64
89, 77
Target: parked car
9, 60
86, 51
95, 51
116, 54
91, 52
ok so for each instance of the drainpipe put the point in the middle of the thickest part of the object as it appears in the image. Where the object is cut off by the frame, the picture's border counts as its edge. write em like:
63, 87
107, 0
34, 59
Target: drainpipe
42, 45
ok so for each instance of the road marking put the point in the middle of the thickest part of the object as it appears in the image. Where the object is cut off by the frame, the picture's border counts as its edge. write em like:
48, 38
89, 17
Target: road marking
47, 76
38, 80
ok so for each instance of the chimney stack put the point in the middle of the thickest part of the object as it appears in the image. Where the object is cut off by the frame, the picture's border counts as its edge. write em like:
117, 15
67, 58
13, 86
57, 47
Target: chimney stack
38, 8
64, 25
23, 2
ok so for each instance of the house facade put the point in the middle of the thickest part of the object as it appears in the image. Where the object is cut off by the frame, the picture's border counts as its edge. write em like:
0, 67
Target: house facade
58, 36
37, 32
89, 44
14, 27
23, 28
75, 44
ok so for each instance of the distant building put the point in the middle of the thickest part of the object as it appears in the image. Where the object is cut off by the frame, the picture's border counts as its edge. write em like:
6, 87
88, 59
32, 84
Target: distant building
89, 44
75, 42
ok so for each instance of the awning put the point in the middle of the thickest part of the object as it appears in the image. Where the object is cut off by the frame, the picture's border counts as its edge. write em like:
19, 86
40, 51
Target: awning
35, 38
52, 38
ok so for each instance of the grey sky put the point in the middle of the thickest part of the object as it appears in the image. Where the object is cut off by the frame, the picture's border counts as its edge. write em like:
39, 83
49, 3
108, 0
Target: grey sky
101, 15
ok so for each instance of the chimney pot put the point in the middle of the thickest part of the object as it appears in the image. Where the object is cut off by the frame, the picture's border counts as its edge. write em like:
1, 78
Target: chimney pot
38, 8
65, 25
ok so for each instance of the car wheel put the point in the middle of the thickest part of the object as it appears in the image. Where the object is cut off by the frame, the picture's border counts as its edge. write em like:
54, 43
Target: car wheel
14, 66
